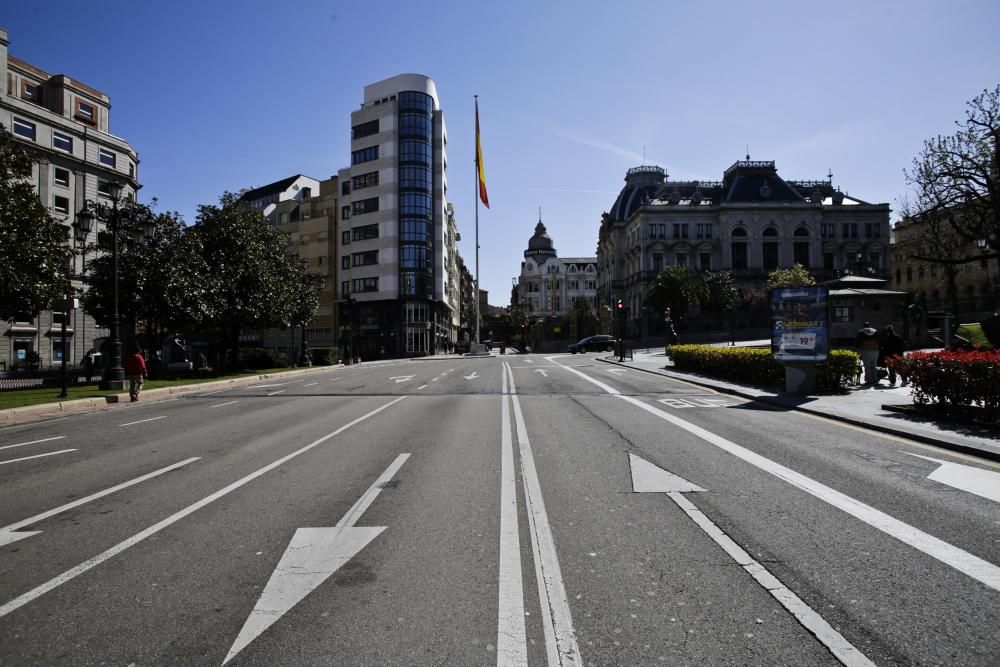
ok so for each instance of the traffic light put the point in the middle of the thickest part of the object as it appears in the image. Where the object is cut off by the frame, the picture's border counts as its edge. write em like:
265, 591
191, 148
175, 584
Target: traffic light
619, 306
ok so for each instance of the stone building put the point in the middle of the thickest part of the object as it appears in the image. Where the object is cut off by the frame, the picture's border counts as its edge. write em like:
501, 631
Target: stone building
68, 123
749, 223
550, 286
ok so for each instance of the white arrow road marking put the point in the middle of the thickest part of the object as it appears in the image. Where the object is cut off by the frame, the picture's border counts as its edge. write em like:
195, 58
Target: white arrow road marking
142, 421
529, 361
649, 478
544, 372
557, 621
311, 557
471, 377
616, 371
36, 456
959, 559
7, 534
985, 483
33, 442
87, 565
402, 378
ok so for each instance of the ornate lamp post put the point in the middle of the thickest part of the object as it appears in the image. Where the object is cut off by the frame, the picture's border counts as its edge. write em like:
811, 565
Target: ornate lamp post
114, 375
80, 230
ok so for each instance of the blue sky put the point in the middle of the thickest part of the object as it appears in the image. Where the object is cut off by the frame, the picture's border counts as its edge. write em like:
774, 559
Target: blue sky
218, 96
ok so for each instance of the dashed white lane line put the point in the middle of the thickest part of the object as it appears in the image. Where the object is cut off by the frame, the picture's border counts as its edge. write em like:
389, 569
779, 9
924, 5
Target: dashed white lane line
142, 421
74, 572
220, 405
435, 379
311, 384
8, 534
33, 442
280, 391
36, 456
952, 556
423, 386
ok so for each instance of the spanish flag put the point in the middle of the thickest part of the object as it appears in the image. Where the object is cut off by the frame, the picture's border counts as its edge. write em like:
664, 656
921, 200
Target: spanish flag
481, 174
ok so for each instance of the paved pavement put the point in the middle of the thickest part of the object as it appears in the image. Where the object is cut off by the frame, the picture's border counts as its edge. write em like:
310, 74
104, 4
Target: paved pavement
862, 406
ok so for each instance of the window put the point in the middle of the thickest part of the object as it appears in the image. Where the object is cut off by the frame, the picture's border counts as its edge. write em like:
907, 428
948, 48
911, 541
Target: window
843, 313
739, 248
104, 188
131, 169
872, 230
365, 180
364, 285
682, 259
800, 248
705, 261
365, 258
345, 212
364, 129
61, 176
657, 231
680, 230
31, 92
345, 238
849, 230
321, 260
909, 274
364, 155
657, 262
366, 232
365, 206
86, 112
24, 129
875, 261
345, 261
62, 142
899, 276
108, 158
345, 288
345, 188
827, 230
60, 204
704, 231
828, 261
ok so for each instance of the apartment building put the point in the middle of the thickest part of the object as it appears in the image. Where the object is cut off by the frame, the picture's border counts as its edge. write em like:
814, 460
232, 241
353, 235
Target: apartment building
550, 286
396, 277
68, 123
267, 197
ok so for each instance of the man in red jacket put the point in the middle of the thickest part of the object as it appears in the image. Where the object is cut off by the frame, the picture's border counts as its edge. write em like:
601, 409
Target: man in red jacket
135, 368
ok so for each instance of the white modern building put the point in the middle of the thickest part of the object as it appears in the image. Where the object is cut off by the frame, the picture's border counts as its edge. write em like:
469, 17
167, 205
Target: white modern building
68, 123
396, 282
550, 286
265, 199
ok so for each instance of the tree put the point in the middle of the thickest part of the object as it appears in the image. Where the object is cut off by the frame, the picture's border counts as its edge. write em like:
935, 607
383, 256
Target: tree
676, 287
720, 295
797, 276
957, 177
34, 246
251, 280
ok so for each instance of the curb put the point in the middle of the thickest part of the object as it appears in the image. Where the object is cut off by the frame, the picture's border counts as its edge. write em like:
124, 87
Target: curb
919, 437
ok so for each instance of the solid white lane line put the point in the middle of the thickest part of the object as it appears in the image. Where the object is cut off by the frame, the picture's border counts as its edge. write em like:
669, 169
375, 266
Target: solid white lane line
950, 555
842, 649
280, 391
74, 572
311, 384
224, 404
560, 636
141, 421
33, 442
512, 642
36, 456
6, 539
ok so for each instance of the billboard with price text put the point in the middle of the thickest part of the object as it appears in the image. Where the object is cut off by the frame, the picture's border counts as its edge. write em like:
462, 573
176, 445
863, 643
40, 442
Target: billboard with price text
800, 323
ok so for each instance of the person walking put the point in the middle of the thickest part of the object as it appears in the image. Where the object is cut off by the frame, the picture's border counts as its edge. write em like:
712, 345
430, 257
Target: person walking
892, 346
867, 342
135, 369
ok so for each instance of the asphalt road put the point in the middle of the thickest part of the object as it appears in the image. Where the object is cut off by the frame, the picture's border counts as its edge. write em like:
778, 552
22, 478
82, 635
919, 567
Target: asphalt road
510, 510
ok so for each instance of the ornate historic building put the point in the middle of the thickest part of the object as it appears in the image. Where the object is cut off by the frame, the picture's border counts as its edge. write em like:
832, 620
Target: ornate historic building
548, 285
750, 223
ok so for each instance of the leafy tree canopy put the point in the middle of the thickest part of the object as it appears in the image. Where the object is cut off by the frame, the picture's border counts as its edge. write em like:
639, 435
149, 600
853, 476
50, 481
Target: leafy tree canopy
797, 276
34, 248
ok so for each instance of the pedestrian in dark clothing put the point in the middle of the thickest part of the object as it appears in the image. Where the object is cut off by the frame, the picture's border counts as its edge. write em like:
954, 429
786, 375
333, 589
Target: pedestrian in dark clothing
135, 369
892, 346
867, 342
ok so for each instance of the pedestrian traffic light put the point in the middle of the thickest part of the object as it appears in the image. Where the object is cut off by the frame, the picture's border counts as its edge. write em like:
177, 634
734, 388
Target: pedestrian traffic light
619, 306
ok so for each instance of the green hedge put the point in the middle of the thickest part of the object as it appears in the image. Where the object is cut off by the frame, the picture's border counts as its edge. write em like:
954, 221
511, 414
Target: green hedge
257, 358
755, 366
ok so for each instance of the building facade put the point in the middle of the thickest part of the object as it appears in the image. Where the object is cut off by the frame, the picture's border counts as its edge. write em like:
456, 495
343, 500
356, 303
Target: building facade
266, 198
749, 223
68, 123
550, 286
396, 274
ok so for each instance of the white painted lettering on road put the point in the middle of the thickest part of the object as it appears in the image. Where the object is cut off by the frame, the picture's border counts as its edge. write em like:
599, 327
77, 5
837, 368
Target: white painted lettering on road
984, 483
143, 421
8, 534
310, 558
87, 565
33, 442
36, 456
695, 402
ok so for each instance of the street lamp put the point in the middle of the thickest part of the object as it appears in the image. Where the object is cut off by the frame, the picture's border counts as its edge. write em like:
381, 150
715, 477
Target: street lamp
80, 230
114, 375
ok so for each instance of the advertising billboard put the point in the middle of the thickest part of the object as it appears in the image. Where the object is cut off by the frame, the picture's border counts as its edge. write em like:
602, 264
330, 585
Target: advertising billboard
800, 323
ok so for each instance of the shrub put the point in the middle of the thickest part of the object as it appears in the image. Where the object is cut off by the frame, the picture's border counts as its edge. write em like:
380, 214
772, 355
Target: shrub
755, 366
953, 378
322, 357
258, 358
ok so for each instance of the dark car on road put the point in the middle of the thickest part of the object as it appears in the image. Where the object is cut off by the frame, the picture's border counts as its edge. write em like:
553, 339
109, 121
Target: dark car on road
593, 344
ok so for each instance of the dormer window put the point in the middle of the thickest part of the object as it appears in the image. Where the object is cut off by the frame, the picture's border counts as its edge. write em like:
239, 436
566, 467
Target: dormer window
31, 92
86, 112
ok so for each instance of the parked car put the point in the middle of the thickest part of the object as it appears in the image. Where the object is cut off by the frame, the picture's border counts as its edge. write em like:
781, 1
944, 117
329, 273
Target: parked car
593, 344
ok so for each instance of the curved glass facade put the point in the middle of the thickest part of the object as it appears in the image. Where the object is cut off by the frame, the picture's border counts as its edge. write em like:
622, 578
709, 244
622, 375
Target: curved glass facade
416, 194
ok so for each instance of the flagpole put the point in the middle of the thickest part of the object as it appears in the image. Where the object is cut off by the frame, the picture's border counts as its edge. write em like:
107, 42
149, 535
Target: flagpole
476, 192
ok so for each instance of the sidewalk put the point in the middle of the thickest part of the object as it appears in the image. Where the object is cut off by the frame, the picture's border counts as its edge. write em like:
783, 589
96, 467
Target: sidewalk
862, 407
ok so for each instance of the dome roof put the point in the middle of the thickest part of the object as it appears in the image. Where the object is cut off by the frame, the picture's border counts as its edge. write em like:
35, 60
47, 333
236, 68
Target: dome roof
641, 183
540, 243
